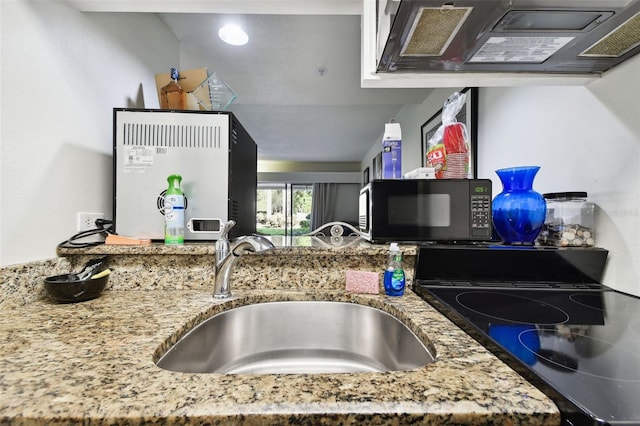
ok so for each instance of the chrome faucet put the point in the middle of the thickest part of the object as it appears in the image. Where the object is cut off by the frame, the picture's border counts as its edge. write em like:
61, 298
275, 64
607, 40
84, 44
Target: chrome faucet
229, 253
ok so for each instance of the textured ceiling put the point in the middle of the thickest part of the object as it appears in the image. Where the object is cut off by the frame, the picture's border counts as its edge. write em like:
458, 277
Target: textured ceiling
297, 80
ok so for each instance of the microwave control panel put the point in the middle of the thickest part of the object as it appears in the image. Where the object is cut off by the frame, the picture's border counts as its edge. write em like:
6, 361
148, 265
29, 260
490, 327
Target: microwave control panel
481, 210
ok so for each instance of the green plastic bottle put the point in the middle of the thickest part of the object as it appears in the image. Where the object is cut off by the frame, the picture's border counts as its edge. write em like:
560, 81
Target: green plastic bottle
174, 212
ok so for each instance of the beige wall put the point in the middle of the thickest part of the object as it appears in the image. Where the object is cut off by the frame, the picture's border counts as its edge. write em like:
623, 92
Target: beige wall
63, 72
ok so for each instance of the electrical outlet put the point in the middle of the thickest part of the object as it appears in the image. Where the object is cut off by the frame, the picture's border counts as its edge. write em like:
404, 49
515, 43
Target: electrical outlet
87, 221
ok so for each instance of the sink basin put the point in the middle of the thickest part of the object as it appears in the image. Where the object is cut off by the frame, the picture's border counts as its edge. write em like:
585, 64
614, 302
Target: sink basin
298, 337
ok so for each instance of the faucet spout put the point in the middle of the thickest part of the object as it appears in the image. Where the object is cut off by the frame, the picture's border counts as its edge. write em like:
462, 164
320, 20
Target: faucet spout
224, 267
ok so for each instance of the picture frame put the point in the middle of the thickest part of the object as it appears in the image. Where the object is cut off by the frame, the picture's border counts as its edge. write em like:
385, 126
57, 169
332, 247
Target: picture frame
469, 116
377, 166
365, 176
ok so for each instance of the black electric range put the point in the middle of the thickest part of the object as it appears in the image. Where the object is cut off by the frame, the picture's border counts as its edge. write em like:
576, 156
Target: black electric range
543, 311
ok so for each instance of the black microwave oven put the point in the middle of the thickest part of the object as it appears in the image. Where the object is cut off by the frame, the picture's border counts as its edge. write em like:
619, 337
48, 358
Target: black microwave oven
443, 210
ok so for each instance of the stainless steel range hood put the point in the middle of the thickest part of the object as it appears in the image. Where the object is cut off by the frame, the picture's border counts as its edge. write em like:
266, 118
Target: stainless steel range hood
495, 42
539, 36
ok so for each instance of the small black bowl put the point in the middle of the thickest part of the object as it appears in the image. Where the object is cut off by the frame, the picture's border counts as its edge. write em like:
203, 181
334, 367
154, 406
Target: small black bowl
67, 288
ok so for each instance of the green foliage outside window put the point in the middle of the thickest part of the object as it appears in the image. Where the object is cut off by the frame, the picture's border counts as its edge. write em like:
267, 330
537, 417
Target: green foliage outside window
275, 218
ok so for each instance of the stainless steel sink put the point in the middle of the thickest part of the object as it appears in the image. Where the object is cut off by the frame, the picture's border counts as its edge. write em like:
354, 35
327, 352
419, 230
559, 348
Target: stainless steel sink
298, 337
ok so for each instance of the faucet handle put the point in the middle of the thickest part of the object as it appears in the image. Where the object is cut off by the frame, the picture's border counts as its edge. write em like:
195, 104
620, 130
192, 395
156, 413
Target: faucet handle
222, 244
224, 233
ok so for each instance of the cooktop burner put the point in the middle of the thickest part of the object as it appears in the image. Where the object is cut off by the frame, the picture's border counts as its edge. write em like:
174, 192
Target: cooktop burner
511, 307
590, 300
578, 341
561, 357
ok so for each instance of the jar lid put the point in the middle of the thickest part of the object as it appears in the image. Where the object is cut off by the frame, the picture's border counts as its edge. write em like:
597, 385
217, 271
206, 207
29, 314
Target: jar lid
564, 195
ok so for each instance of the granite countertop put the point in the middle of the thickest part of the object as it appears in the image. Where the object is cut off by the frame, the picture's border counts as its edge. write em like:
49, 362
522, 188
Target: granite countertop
93, 362
299, 244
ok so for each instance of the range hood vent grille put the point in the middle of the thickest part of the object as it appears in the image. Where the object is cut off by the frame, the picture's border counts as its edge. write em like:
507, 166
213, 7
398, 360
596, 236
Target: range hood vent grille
618, 42
433, 29
551, 37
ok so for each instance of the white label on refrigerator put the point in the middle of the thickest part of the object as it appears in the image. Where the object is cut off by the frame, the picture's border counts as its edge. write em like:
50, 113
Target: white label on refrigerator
519, 49
138, 158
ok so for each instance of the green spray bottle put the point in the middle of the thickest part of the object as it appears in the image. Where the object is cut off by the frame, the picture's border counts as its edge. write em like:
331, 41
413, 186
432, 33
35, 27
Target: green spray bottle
174, 212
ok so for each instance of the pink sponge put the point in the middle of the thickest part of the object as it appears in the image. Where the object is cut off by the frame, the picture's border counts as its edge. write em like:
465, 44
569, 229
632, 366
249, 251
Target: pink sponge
362, 282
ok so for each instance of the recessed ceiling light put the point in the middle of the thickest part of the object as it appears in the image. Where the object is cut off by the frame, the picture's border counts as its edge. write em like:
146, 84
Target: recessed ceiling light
233, 34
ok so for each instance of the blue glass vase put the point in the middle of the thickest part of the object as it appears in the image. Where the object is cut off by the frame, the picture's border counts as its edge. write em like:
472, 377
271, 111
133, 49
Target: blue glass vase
518, 211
